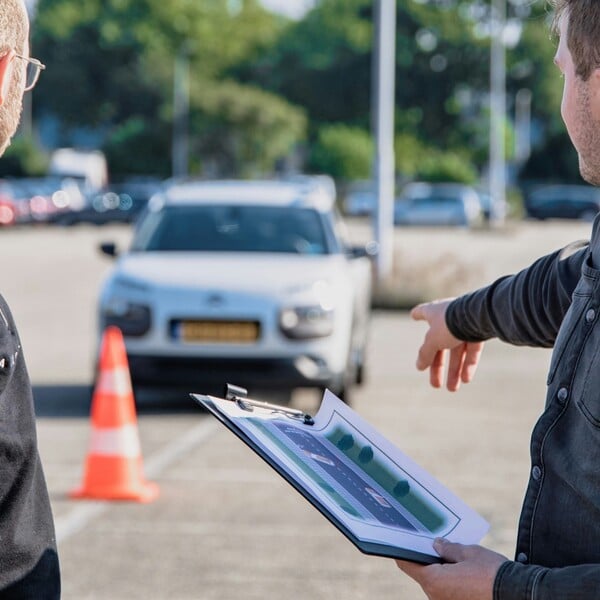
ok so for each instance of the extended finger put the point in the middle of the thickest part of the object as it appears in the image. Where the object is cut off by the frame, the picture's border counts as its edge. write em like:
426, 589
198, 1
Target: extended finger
457, 357
471, 360
426, 355
436, 370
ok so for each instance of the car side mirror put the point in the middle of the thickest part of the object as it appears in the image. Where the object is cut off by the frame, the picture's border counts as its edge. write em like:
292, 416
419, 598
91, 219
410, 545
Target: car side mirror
109, 248
368, 250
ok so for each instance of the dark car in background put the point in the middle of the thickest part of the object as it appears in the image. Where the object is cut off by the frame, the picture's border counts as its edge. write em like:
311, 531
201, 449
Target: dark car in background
563, 202
116, 203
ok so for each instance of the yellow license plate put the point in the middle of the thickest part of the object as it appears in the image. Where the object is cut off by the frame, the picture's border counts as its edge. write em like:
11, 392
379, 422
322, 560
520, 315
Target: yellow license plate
227, 332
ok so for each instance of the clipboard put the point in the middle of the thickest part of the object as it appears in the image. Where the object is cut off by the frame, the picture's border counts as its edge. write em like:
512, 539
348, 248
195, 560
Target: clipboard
375, 495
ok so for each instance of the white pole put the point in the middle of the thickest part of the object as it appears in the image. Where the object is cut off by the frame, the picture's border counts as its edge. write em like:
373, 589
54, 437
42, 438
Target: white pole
497, 113
522, 126
181, 109
384, 85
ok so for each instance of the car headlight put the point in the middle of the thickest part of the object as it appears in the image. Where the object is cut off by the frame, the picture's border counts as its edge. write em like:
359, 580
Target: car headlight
131, 318
303, 322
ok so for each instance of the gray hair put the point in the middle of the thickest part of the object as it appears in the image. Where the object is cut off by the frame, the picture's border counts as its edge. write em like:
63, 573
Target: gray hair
14, 25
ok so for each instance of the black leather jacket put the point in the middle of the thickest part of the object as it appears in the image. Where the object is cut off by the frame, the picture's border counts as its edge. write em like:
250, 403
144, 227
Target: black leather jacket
28, 560
555, 302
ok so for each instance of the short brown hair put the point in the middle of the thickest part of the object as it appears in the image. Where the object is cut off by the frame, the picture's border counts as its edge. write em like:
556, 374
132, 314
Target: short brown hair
583, 34
14, 28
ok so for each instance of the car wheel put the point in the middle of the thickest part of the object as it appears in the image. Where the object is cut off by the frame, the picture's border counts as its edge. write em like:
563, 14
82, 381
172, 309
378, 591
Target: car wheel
345, 394
360, 374
359, 368
343, 390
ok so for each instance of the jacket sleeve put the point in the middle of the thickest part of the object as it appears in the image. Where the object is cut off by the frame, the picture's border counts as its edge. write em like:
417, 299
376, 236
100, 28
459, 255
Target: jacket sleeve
525, 309
515, 581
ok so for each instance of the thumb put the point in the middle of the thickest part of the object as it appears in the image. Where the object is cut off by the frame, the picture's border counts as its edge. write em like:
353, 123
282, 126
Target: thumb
449, 551
418, 313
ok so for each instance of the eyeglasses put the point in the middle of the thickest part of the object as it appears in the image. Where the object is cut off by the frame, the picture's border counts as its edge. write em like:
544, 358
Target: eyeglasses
34, 68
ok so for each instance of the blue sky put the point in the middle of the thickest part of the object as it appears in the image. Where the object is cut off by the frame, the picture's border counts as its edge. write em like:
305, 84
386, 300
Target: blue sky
291, 8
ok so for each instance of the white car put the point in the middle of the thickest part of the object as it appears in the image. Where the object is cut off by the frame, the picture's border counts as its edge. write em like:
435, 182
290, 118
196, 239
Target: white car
246, 282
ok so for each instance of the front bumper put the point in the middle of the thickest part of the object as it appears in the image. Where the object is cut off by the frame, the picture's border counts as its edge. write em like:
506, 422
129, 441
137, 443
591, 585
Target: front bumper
209, 375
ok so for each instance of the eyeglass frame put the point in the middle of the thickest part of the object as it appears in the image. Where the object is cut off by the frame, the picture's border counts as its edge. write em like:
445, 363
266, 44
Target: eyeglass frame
40, 66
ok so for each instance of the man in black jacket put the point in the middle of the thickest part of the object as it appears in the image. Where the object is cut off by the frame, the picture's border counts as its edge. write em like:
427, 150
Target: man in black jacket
29, 567
553, 303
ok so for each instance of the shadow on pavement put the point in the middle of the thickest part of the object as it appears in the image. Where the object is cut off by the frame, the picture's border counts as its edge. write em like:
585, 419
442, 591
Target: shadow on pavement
64, 401
165, 402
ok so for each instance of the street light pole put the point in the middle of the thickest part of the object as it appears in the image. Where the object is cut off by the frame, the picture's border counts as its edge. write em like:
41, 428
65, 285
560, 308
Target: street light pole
497, 152
384, 101
181, 111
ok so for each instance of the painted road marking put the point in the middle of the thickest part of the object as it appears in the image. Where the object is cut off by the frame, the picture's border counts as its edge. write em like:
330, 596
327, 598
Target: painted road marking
78, 518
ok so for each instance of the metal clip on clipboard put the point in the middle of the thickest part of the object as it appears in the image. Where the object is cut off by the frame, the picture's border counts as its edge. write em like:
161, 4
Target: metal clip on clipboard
239, 395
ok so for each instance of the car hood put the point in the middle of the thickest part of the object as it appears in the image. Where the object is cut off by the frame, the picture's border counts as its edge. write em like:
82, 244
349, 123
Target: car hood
244, 273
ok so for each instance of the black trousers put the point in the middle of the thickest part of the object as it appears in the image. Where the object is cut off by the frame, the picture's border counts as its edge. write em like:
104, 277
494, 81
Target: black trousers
41, 583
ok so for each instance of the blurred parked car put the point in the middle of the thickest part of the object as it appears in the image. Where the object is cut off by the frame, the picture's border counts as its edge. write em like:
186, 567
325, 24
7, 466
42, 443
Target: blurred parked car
87, 167
117, 203
360, 199
438, 204
252, 283
8, 211
563, 202
41, 199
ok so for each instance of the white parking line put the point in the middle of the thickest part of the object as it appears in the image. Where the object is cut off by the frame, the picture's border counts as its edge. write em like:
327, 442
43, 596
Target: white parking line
78, 518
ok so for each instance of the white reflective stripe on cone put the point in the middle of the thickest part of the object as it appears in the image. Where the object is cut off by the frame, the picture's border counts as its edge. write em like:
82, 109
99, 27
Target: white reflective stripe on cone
114, 381
121, 441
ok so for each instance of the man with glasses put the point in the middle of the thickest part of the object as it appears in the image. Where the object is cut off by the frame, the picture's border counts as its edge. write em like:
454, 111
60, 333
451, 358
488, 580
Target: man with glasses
29, 567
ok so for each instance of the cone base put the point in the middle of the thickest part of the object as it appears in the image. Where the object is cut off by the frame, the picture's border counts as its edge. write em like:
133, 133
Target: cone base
146, 492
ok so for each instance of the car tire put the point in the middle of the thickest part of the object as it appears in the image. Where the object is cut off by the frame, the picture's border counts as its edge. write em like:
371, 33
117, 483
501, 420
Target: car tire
360, 368
348, 379
360, 374
345, 395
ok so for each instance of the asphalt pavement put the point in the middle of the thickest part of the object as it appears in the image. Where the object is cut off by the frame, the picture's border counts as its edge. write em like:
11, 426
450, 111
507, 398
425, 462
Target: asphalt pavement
225, 526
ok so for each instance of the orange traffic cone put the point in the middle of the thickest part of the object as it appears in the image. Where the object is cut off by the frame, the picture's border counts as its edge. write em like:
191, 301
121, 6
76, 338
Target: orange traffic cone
113, 469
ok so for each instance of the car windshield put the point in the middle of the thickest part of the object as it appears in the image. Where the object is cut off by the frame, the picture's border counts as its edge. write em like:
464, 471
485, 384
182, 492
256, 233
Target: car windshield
226, 228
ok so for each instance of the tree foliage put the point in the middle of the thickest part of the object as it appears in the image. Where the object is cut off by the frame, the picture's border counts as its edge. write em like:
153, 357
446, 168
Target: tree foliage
116, 59
261, 86
342, 151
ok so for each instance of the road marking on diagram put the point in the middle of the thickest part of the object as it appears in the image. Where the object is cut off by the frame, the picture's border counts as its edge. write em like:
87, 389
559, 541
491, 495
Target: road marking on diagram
78, 518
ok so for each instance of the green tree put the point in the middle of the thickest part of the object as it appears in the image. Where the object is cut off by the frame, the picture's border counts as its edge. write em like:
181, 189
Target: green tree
244, 130
116, 59
342, 151
23, 158
262, 85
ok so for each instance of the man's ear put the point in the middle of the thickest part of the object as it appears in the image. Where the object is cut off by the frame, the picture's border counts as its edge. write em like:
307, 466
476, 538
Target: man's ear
5, 61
